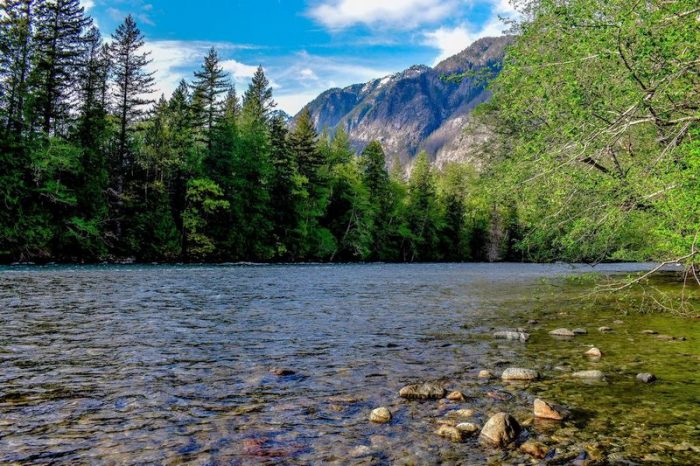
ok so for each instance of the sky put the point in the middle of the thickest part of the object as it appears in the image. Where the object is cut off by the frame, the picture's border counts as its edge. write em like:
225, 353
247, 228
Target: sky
305, 46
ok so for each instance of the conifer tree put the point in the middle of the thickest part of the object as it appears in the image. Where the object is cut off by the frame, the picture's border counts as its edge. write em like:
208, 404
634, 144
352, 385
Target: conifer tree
212, 82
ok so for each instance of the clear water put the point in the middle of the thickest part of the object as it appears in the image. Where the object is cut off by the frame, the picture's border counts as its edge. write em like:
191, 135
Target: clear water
171, 365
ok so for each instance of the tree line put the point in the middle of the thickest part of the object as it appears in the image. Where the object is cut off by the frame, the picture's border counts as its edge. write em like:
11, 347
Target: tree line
93, 170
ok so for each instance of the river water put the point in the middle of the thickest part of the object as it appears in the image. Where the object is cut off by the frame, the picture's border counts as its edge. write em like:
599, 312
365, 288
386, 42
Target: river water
173, 365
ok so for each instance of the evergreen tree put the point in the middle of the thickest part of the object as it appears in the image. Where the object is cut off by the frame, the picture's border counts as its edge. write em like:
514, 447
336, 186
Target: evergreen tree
423, 216
58, 42
212, 82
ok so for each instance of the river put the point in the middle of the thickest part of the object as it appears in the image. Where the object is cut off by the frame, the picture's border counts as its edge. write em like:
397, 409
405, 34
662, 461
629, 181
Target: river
175, 364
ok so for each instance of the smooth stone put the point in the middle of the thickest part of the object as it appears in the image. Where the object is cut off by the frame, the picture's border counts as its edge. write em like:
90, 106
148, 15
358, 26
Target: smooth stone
486, 374
467, 428
512, 336
517, 373
580, 331
501, 430
380, 415
594, 353
545, 410
646, 377
605, 330
450, 433
463, 412
423, 391
456, 396
535, 449
280, 372
588, 375
562, 332
649, 332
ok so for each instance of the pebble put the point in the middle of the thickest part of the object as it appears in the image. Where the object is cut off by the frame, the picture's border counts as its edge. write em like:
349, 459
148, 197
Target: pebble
646, 377
380, 415
562, 332
423, 391
468, 428
456, 396
512, 336
605, 330
594, 353
535, 449
486, 374
501, 430
463, 412
517, 373
451, 433
649, 332
580, 331
588, 375
545, 410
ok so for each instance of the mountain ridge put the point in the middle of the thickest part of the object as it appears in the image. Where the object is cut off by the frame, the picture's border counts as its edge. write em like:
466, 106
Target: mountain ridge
415, 109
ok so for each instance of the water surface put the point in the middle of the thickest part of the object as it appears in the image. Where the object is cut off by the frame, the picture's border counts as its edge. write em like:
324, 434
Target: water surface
170, 365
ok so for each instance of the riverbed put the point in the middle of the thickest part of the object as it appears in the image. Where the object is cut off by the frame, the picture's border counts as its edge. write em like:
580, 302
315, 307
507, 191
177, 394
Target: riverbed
280, 364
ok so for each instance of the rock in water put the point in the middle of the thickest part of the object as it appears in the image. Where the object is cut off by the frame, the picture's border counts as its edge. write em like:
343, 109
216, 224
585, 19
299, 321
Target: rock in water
485, 374
450, 433
605, 330
546, 410
380, 415
516, 373
281, 372
580, 331
562, 332
594, 353
423, 391
467, 428
646, 377
512, 336
501, 430
456, 396
593, 375
649, 332
534, 449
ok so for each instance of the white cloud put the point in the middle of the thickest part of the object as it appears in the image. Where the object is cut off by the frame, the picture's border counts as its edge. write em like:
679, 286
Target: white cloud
400, 14
449, 41
308, 73
173, 61
87, 4
294, 102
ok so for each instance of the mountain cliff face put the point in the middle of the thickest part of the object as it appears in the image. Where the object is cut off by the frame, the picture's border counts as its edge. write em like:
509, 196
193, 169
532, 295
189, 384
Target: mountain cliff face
416, 109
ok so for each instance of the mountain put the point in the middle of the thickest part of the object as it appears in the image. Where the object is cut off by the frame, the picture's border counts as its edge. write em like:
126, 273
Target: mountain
416, 109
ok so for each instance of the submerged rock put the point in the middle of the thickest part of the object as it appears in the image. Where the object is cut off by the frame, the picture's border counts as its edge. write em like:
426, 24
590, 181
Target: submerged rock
423, 391
593, 375
463, 413
501, 430
380, 415
562, 332
486, 374
456, 396
281, 372
450, 433
649, 332
594, 353
512, 335
517, 373
545, 410
467, 428
646, 377
535, 449
605, 329
580, 331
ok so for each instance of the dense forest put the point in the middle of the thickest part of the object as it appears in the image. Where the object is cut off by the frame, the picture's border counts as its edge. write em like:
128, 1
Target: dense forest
594, 153
93, 170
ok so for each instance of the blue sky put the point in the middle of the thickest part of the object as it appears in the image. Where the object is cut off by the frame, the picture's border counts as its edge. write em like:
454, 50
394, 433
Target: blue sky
305, 46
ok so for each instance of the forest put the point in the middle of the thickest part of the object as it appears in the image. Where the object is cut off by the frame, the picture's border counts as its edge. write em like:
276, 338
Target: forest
94, 170
594, 154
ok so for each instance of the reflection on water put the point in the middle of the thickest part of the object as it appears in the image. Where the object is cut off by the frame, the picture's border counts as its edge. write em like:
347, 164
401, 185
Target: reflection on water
165, 365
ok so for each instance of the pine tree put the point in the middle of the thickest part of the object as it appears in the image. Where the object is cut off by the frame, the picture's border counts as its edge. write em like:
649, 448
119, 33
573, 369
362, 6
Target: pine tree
423, 215
132, 82
212, 82
59, 43
304, 144
257, 100
17, 18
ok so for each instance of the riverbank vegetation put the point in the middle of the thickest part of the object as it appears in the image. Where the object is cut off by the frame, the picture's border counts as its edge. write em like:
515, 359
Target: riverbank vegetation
594, 154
